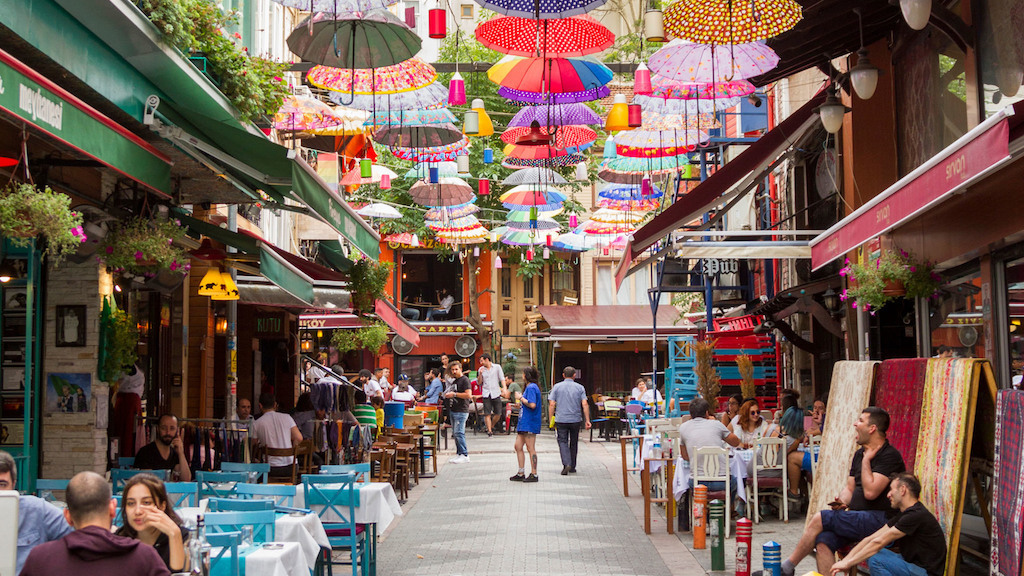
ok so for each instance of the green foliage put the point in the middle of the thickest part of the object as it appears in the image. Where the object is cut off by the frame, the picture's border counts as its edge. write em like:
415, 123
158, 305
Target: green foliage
869, 281
510, 360
120, 337
27, 212
253, 85
370, 337
366, 284
143, 246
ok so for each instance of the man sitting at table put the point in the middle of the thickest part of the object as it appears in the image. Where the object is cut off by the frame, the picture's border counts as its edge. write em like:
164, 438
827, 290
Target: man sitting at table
432, 395
38, 520
276, 430
166, 451
92, 548
861, 508
702, 430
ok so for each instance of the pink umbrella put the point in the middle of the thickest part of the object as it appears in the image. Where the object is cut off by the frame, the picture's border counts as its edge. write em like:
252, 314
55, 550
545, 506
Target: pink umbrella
687, 62
555, 115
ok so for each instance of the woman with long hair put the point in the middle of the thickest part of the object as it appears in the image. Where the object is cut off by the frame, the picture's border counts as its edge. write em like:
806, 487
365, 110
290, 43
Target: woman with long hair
735, 401
148, 516
793, 425
528, 426
750, 426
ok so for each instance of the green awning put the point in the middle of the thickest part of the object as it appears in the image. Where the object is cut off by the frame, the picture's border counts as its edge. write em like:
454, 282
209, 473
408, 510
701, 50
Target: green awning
332, 254
315, 193
241, 242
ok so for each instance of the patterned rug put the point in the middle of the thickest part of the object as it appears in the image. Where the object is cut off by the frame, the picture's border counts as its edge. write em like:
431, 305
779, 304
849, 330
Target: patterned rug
940, 444
849, 395
898, 389
1008, 497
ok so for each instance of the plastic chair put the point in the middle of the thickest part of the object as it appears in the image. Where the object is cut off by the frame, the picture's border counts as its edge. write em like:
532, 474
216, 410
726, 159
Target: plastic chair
182, 493
634, 418
336, 508
213, 484
262, 468
362, 471
117, 518
262, 522
814, 446
238, 505
224, 548
118, 477
46, 485
281, 494
126, 462
769, 455
711, 459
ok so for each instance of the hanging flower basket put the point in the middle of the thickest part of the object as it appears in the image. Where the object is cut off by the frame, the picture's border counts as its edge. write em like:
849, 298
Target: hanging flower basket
894, 289
144, 247
895, 274
27, 212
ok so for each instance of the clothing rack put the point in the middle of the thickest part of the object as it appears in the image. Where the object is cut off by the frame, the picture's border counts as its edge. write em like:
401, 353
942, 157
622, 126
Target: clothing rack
207, 441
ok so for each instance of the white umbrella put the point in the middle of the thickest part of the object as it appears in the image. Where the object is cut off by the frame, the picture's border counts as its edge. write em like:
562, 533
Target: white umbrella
377, 210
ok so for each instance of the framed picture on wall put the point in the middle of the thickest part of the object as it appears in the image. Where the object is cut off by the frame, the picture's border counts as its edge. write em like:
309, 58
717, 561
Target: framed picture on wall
15, 299
71, 325
14, 378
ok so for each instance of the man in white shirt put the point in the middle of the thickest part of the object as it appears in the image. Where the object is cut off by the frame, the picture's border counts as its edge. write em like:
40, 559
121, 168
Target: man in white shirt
276, 430
370, 386
445, 302
382, 378
492, 384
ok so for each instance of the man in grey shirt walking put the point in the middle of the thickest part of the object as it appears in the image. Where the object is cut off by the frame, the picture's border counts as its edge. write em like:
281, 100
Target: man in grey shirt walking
568, 401
492, 384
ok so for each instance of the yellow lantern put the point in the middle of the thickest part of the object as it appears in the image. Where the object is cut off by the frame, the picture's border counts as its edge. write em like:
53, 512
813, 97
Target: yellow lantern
210, 283
618, 117
229, 290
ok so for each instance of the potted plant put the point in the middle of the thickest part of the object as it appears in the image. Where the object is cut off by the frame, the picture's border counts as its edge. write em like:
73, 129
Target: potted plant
366, 283
144, 247
26, 212
371, 336
894, 274
118, 341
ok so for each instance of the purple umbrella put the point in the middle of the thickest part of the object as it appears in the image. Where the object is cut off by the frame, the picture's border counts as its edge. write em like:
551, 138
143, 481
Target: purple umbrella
686, 62
559, 98
555, 115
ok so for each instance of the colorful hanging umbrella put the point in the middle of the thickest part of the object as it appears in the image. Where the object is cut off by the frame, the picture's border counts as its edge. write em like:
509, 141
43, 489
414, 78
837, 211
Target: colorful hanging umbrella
663, 139
527, 97
702, 122
442, 212
565, 160
520, 216
546, 9
683, 61
523, 238
730, 21
665, 87
405, 238
628, 193
426, 116
422, 171
422, 136
409, 75
551, 38
350, 123
454, 224
304, 114
336, 6
354, 177
372, 39
534, 176
629, 205
541, 224
659, 105
378, 210
433, 154
551, 74
654, 152
605, 229
565, 136
555, 115
645, 165
609, 216
430, 95
474, 236
448, 192
528, 193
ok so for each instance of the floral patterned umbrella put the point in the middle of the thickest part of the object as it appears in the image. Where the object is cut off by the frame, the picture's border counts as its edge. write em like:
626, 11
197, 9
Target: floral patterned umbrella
371, 39
447, 192
541, 8
454, 224
422, 171
606, 229
527, 97
652, 166
677, 139
433, 154
351, 123
432, 94
730, 21
472, 236
406, 238
609, 216
665, 87
555, 115
336, 6
533, 176
629, 193
683, 61
564, 160
630, 205
558, 37
653, 152
419, 136
440, 115
442, 212
659, 105
304, 114
565, 136
523, 238
550, 74
405, 76
701, 122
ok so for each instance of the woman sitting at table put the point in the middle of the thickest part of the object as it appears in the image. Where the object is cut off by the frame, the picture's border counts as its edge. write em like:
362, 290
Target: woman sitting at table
750, 426
735, 401
148, 516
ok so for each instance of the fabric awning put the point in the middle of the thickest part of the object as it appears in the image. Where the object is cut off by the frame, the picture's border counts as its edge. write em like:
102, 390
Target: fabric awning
732, 179
973, 156
35, 100
753, 250
329, 321
330, 252
254, 290
387, 312
602, 322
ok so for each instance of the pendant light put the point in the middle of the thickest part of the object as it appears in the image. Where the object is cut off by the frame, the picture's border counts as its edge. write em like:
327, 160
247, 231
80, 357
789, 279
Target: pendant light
472, 124
228, 288
385, 181
366, 168
573, 221
618, 116
645, 186
457, 90
581, 172
483, 187
642, 80
462, 161
529, 254
415, 241
547, 253
654, 25
497, 262
916, 12
485, 126
635, 115
437, 23
476, 251
210, 284
832, 112
609, 148
488, 156
549, 240
863, 75
8, 272
535, 137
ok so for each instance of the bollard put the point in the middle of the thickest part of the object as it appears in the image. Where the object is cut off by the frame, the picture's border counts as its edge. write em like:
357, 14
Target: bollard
772, 558
716, 526
700, 515
744, 535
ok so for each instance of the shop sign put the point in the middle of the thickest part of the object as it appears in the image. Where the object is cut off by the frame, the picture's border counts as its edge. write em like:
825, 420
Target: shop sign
715, 266
425, 243
464, 329
270, 325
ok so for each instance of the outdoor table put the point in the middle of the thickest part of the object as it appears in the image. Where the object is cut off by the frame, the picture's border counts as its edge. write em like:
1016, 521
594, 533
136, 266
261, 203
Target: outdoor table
738, 460
377, 504
626, 468
259, 561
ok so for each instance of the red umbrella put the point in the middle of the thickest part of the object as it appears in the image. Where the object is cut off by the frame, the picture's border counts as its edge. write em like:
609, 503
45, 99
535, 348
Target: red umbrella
554, 75
560, 37
565, 136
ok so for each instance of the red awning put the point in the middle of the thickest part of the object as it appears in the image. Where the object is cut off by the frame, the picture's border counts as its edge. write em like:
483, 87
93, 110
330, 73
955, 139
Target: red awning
976, 154
393, 318
612, 321
328, 321
709, 193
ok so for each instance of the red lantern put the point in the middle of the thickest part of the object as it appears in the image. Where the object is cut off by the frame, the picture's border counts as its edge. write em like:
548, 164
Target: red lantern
437, 20
484, 186
410, 17
529, 254
385, 181
549, 241
635, 116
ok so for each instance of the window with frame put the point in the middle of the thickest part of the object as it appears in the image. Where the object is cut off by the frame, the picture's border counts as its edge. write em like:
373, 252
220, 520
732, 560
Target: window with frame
467, 11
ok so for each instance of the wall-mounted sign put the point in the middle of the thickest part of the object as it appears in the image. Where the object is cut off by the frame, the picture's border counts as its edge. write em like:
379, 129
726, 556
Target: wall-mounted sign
270, 325
428, 329
715, 266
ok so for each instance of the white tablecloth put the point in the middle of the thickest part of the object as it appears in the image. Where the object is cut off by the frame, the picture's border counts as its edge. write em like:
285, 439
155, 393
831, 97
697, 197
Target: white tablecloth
286, 561
738, 460
377, 504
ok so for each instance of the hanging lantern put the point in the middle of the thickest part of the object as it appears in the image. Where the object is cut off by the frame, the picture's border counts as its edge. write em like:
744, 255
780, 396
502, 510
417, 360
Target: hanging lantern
462, 161
366, 168
535, 137
472, 124
483, 186
609, 148
488, 156
645, 187
529, 254
581, 172
435, 174
437, 23
228, 289
476, 251
486, 126
642, 80
497, 262
210, 284
573, 222
546, 253
385, 181
457, 90
618, 117
654, 26
415, 240
410, 17
635, 115
549, 240
604, 250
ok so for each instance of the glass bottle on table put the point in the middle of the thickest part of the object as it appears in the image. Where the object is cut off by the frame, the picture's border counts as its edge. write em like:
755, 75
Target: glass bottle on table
199, 550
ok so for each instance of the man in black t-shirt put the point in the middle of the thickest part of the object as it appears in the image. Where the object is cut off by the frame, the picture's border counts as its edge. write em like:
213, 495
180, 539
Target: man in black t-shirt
166, 451
461, 394
862, 508
921, 540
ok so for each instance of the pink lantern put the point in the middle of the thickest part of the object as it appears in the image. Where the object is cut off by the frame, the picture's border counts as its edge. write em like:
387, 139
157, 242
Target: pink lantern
572, 221
604, 250
484, 186
645, 187
497, 262
642, 80
410, 17
456, 90
385, 181
437, 23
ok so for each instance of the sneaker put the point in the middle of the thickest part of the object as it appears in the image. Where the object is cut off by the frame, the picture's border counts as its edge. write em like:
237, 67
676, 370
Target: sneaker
531, 478
464, 458
454, 459
518, 478
459, 459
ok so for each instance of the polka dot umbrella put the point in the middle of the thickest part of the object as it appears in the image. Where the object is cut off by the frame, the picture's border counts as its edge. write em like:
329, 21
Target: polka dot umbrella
555, 115
730, 21
528, 97
559, 37
553, 75
541, 8
683, 61
565, 136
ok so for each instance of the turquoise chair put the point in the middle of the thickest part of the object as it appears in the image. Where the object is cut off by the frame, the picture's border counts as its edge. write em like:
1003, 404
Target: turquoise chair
237, 505
126, 462
282, 494
44, 485
182, 493
117, 518
212, 484
336, 507
118, 477
262, 468
262, 522
362, 470
226, 546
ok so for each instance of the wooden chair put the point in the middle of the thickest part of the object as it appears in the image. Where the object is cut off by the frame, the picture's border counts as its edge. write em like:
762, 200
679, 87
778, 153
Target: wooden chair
382, 466
281, 494
262, 522
219, 484
224, 548
262, 469
291, 476
182, 493
711, 459
304, 457
336, 508
769, 455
